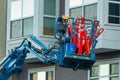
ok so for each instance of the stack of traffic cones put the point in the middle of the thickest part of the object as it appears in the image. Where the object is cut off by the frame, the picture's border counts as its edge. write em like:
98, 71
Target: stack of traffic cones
81, 38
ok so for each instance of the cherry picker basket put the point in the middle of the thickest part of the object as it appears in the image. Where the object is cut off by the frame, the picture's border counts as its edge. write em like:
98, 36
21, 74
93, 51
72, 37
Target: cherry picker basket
82, 56
78, 42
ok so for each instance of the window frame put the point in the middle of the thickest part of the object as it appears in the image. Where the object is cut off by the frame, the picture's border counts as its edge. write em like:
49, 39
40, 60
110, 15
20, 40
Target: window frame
9, 27
22, 27
90, 5
37, 29
83, 8
38, 19
102, 62
50, 16
114, 2
49, 68
76, 8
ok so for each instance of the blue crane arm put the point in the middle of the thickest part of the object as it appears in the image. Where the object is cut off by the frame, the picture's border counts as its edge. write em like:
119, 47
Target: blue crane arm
14, 62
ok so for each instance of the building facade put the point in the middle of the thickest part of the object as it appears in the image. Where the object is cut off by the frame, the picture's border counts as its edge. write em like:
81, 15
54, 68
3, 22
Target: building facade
107, 66
37, 17
3, 23
20, 18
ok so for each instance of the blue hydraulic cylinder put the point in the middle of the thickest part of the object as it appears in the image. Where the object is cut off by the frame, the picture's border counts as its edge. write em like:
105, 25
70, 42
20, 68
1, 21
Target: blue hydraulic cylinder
11, 65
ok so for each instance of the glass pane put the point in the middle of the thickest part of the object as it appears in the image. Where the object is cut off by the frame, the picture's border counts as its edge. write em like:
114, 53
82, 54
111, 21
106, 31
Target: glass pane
28, 8
33, 76
94, 71
114, 68
16, 29
50, 7
76, 12
49, 75
114, 20
49, 24
104, 70
114, 9
75, 2
114, 78
91, 12
106, 78
41, 75
16, 9
28, 26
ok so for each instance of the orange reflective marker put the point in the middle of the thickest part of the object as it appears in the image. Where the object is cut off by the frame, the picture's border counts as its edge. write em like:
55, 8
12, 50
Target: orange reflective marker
100, 31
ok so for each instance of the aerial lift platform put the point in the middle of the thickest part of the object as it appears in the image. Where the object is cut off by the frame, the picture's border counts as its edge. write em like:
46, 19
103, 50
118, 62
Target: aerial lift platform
74, 49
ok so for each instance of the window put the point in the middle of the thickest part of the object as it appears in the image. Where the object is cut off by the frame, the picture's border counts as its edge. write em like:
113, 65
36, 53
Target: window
105, 72
25, 17
114, 11
49, 17
75, 3
43, 75
94, 72
16, 29
27, 26
47, 73
89, 11
76, 12
49, 24
22, 15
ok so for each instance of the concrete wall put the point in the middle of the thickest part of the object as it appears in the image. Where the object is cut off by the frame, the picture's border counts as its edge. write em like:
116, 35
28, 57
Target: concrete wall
62, 7
3, 24
69, 74
24, 74
60, 73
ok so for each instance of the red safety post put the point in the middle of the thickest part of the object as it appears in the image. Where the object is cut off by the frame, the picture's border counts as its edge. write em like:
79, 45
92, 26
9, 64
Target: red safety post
80, 35
96, 24
86, 43
98, 33
80, 42
69, 30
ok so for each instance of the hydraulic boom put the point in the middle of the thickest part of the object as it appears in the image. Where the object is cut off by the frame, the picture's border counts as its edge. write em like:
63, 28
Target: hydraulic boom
74, 49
